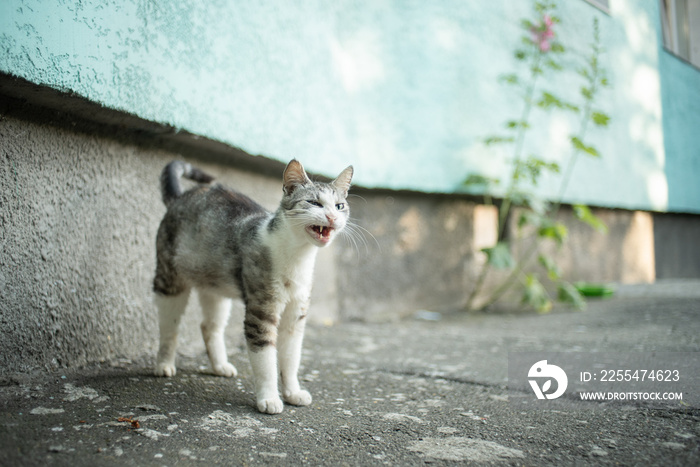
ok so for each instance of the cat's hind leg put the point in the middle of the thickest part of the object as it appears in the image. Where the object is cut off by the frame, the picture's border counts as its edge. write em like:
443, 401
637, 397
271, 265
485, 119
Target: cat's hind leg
291, 334
215, 313
170, 310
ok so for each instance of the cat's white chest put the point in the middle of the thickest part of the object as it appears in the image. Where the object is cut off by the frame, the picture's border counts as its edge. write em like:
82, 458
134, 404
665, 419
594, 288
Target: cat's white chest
293, 265
295, 280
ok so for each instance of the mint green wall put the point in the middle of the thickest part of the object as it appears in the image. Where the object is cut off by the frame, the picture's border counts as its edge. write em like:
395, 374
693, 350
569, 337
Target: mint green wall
402, 89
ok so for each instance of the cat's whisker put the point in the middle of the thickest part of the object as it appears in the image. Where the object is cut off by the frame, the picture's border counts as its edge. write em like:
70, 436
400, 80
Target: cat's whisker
351, 237
362, 231
356, 234
352, 195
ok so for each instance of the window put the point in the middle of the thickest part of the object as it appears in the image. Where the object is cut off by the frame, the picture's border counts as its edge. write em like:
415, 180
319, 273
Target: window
602, 4
680, 21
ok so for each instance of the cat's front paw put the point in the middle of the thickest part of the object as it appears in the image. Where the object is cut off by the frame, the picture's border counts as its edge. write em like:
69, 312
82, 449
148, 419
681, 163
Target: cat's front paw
271, 406
300, 397
165, 369
225, 369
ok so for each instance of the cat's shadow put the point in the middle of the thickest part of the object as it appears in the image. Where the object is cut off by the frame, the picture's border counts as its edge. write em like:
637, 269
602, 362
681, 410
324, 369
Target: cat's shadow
194, 388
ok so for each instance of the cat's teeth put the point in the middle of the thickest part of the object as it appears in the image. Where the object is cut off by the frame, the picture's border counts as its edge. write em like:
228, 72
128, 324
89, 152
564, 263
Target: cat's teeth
322, 232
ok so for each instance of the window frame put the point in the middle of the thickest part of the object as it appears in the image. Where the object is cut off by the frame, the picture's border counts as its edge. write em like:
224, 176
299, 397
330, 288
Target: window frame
680, 30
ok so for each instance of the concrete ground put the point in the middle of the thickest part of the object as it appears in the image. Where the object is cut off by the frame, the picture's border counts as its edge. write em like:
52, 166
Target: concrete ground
408, 393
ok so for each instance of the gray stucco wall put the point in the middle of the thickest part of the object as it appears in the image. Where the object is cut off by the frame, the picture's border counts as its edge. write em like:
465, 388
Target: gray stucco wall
78, 221
78, 216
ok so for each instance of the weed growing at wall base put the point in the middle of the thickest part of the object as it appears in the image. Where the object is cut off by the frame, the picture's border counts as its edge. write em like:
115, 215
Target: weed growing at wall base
535, 220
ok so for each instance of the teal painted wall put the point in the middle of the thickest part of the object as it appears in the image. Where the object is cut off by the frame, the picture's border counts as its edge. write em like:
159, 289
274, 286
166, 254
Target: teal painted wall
680, 92
405, 90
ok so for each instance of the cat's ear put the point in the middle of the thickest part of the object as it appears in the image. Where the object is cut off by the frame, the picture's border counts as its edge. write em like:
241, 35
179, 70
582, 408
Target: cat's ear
294, 176
342, 183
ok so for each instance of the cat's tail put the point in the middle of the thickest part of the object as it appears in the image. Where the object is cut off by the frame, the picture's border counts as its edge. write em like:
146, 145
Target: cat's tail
170, 187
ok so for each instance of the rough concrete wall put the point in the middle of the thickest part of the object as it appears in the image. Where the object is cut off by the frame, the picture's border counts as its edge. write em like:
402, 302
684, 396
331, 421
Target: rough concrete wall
78, 219
424, 253
418, 254
624, 254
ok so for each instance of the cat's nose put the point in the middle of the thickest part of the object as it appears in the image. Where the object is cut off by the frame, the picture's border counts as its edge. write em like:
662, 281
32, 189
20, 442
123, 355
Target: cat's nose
331, 219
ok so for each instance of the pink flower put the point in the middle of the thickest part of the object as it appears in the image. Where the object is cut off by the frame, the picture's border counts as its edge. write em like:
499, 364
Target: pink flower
542, 33
548, 21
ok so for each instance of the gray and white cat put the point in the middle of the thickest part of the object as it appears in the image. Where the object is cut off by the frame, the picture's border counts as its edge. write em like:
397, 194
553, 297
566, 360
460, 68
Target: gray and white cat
227, 246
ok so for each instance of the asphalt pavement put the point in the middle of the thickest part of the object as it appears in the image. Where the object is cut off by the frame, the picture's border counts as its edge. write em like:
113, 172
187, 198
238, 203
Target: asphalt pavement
433, 389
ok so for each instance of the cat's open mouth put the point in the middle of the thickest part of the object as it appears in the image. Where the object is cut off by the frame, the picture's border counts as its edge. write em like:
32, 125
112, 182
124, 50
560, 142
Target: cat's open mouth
320, 233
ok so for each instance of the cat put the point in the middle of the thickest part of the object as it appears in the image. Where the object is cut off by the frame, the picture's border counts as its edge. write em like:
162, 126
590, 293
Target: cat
227, 246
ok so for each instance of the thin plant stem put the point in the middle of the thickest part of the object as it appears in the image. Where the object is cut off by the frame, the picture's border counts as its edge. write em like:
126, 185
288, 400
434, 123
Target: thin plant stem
526, 258
519, 144
517, 154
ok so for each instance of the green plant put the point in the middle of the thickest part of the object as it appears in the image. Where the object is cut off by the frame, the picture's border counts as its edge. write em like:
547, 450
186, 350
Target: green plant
542, 54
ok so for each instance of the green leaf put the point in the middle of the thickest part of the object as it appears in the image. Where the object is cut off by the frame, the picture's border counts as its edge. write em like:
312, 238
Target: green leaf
587, 93
535, 295
499, 256
553, 65
498, 140
579, 145
510, 78
567, 293
520, 55
600, 119
532, 168
584, 214
553, 271
549, 100
528, 217
513, 124
557, 48
527, 40
526, 24
553, 230
480, 180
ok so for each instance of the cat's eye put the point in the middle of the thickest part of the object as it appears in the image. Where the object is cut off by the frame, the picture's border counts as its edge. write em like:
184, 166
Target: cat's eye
314, 203
340, 206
